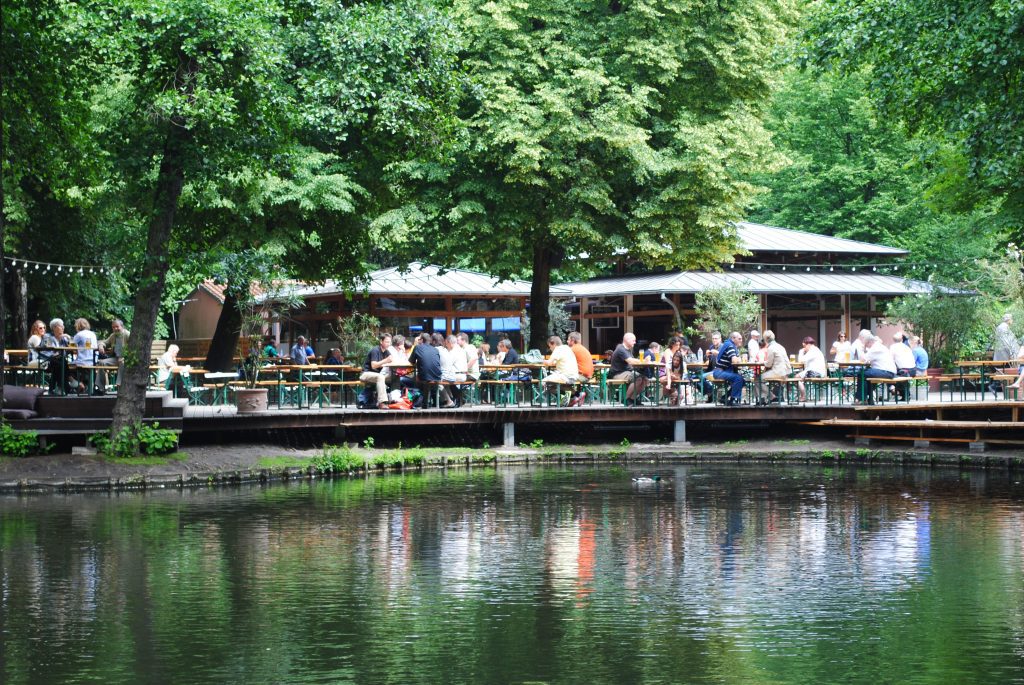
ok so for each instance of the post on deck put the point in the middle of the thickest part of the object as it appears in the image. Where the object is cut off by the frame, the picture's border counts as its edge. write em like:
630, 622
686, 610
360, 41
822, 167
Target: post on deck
679, 433
509, 434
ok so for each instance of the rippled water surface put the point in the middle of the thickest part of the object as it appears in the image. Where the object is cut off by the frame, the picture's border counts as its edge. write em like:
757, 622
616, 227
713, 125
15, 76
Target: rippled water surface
716, 574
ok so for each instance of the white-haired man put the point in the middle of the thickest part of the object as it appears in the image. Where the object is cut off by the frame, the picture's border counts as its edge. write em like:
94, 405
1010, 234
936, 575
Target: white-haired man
880, 365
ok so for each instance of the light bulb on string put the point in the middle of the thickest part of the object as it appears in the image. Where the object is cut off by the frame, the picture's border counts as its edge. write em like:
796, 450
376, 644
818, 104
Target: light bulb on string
831, 268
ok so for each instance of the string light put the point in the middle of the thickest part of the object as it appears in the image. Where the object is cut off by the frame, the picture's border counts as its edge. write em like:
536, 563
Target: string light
45, 267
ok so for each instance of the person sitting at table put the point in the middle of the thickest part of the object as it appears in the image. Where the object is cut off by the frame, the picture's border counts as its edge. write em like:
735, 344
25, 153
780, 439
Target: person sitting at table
54, 360
472, 355
484, 354
622, 363
584, 365
35, 339
334, 357
841, 349
651, 354
903, 356
88, 347
753, 345
427, 361
921, 360
298, 352
112, 349
673, 362
709, 365
563, 361
776, 365
454, 368
507, 353
725, 370
811, 357
880, 365
168, 373
374, 370
270, 350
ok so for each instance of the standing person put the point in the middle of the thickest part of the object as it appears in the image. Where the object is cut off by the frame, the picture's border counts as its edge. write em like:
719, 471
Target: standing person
841, 348
776, 362
35, 339
622, 363
1004, 346
298, 352
113, 346
724, 369
374, 370
814, 365
584, 364
88, 347
754, 345
427, 361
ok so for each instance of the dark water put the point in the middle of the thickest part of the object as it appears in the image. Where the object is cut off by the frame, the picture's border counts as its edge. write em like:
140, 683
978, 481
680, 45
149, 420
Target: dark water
722, 574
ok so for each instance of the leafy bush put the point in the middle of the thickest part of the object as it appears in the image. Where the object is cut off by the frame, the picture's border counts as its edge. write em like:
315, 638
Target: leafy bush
336, 459
727, 309
17, 443
141, 438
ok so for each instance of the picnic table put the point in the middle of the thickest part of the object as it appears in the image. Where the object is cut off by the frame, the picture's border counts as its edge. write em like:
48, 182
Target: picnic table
965, 367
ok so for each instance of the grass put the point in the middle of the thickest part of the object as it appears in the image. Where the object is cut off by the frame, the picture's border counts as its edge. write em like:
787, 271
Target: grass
148, 460
797, 441
282, 462
734, 443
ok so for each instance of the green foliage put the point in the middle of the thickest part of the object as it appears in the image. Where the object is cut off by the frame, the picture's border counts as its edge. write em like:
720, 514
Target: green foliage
950, 325
17, 443
368, 442
140, 438
559, 322
356, 334
726, 309
594, 128
535, 444
949, 68
625, 443
337, 460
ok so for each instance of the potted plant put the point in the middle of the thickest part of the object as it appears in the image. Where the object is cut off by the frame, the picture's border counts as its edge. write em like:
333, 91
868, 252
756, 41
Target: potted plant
261, 294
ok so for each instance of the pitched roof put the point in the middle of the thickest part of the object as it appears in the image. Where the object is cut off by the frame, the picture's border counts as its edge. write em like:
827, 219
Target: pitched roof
424, 279
761, 238
754, 281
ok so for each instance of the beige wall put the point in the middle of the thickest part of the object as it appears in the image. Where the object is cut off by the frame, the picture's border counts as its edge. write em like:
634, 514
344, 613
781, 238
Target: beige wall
198, 319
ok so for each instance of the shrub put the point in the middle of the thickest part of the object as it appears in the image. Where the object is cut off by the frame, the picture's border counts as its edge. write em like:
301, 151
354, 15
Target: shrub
338, 459
17, 443
140, 438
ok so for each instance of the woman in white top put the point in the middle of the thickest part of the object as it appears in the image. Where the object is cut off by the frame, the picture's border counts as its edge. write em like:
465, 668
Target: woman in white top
814, 365
841, 349
35, 339
167, 364
85, 341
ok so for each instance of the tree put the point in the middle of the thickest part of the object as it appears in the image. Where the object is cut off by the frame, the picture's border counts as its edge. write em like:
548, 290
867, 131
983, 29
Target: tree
726, 309
952, 68
596, 127
231, 121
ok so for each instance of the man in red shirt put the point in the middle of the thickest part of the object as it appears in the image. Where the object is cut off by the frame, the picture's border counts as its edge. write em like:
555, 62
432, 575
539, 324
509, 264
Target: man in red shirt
585, 362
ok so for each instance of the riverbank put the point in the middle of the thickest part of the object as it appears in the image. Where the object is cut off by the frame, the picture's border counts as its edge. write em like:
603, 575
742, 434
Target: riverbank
201, 466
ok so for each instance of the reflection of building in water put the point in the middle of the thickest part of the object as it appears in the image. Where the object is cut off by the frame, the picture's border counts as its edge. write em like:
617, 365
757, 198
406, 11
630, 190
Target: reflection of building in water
563, 545
890, 555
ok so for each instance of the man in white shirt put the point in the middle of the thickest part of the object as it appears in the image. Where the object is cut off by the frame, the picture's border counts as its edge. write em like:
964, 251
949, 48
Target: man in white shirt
754, 345
814, 365
566, 370
776, 364
472, 356
880, 364
903, 357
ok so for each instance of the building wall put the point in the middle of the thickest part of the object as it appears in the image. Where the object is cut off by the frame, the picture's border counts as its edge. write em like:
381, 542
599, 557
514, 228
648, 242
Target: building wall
198, 319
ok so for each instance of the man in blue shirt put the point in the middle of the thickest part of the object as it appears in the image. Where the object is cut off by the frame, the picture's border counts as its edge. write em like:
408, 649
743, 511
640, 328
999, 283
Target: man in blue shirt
298, 352
920, 356
728, 355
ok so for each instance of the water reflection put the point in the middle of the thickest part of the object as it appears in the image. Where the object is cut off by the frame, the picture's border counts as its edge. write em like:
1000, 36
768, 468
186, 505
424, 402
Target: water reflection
713, 574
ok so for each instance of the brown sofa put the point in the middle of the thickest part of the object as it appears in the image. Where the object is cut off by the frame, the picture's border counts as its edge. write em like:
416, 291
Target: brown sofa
20, 402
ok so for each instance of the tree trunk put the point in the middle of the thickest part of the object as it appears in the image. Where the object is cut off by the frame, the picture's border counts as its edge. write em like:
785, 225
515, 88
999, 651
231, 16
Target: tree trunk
131, 393
540, 321
18, 310
3, 266
221, 354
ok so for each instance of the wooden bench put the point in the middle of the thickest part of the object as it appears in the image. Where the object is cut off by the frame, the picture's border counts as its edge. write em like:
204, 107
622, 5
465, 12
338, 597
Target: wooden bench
891, 384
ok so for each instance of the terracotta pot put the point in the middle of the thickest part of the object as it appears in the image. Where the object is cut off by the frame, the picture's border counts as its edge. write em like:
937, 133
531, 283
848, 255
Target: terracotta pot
251, 400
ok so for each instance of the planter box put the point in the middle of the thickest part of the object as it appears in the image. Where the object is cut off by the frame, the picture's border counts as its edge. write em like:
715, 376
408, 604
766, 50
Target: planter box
250, 400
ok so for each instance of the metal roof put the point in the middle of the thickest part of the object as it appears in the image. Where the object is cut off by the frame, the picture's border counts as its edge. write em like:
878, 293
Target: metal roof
761, 238
754, 281
425, 280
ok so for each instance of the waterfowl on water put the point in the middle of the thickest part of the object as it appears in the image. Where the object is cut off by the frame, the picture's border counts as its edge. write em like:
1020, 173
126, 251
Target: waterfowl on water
647, 480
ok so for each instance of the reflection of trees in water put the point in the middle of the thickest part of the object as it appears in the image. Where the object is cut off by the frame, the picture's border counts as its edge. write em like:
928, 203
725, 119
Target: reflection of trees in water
532, 560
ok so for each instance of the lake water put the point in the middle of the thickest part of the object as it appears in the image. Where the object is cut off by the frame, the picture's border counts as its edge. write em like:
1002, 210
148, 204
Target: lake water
716, 574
